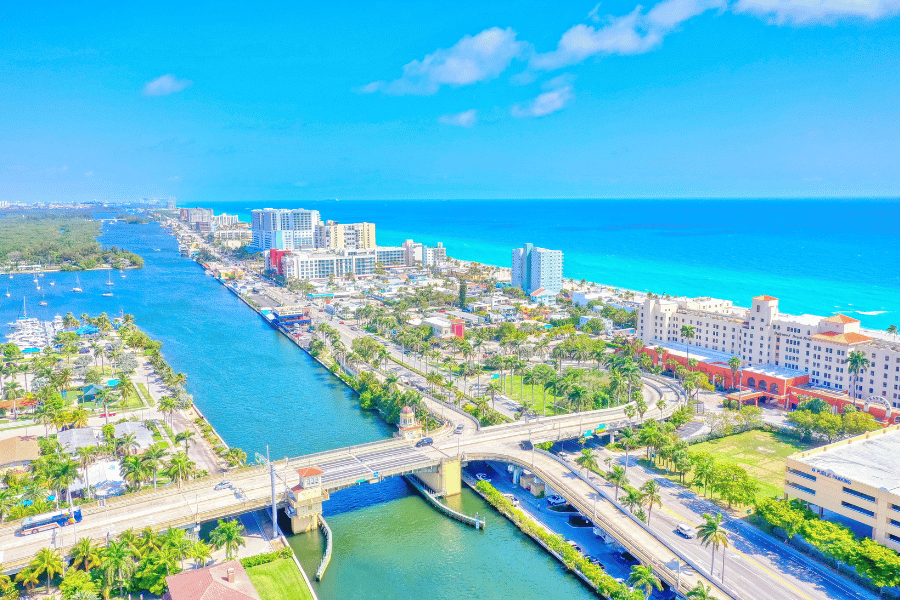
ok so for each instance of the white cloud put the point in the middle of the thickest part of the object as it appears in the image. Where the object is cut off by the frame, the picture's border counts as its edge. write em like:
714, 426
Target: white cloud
559, 81
175, 178
467, 118
634, 33
803, 12
165, 85
472, 59
544, 104
89, 174
594, 15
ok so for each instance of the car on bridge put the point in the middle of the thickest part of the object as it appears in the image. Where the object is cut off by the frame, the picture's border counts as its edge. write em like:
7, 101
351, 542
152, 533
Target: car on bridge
424, 442
459, 428
223, 485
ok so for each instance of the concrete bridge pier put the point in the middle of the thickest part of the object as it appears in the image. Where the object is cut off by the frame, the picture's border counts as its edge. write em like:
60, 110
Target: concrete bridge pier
307, 506
446, 480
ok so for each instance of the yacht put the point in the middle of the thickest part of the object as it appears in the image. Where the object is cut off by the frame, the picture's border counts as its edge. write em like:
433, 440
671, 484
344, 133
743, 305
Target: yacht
107, 294
77, 288
52, 283
43, 303
109, 278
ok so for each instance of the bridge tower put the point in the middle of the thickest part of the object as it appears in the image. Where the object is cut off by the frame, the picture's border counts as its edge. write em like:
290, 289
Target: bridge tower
307, 500
446, 480
408, 428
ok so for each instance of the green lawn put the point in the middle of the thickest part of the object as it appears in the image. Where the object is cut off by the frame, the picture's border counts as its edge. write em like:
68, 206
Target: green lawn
145, 393
279, 580
761, 453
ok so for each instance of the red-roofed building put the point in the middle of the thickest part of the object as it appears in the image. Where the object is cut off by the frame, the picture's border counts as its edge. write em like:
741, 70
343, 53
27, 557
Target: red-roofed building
225, 581
811, 346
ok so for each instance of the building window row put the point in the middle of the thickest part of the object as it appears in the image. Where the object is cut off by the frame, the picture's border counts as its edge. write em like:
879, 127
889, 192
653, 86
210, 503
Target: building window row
858, 509
802, 474
802, 488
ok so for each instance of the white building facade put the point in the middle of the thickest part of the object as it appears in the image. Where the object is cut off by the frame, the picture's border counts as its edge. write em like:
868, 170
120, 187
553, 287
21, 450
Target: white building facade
332, 235
761, 335
536, 268
284, 229
421, 255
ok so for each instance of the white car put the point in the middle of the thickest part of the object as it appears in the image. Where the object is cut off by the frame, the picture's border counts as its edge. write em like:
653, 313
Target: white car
685, 531
482, 477
555, 500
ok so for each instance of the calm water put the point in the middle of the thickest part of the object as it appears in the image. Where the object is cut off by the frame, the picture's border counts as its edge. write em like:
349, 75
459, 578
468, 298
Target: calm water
818, 257
257, 388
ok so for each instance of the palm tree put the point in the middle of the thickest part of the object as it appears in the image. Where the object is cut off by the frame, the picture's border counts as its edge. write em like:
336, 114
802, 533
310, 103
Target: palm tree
184, 436
652, 497
687, 332
892, 329
152, 457
493, 388
628, 440
857, 363
235, 457
28, 578
200, 553
618, 478
734, 363
86, 554
700, 593
180, 468
642, 577
63, 474
117, 565
47, 561
134, 471
227, 534
86, 456
127, 443
587, 460
633, 499
712, 533
167, 406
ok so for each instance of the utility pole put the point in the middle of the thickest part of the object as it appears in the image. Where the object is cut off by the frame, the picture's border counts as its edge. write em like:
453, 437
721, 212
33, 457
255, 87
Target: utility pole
272, 480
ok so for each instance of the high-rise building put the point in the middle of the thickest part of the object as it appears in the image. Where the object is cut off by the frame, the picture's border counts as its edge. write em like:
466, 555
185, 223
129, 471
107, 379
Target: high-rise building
284, 229
421, 255
332, 235
537, 269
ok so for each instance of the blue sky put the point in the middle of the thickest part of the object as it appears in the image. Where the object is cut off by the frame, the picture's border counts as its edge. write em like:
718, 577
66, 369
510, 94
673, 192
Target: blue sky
282, 101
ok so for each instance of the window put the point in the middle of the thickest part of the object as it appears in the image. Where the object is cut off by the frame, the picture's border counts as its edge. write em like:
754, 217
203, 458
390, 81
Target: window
858, 509
802, 488
813, 478
859, 494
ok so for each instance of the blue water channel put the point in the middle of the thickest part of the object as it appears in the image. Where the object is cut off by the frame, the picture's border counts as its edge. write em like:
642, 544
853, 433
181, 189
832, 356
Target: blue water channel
258, 389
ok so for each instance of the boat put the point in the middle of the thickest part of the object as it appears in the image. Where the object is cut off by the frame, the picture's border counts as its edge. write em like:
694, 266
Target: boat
122, 274
7, 292
77, 288
109, 278
43, 303
107, 294
52, 283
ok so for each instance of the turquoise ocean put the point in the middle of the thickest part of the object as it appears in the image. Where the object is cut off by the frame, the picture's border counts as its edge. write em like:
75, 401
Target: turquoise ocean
816, 256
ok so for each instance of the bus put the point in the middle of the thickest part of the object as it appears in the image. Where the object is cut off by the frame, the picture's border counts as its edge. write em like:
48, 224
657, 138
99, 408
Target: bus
50, 521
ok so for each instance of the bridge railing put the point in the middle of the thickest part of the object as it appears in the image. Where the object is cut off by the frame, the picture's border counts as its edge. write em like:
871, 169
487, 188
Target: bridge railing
626, 540
329, 544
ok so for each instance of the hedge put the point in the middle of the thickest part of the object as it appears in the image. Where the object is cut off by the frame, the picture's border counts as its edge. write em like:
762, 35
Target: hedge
262, 559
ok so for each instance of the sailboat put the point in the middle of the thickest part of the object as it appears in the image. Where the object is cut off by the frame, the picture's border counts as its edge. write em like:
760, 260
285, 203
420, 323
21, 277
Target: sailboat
77, 287
7, 292
122, 274
107, 294
109, 278
43, 302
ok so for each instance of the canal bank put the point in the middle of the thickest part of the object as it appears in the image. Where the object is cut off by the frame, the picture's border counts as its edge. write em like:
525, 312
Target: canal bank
257, 388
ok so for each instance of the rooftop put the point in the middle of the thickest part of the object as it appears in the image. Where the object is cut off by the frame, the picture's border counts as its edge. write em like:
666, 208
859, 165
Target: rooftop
870, 459
841, 319
212, 583
841, 338
72, 439
19, 449
309, 471
765, 298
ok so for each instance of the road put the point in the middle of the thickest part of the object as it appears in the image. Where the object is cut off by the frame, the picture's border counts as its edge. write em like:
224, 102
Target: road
756, 565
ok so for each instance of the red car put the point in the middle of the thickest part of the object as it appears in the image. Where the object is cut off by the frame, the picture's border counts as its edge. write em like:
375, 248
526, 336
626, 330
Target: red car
108, 415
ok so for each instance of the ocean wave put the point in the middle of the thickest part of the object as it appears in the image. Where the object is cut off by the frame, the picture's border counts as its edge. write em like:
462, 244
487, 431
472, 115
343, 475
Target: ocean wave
871, 312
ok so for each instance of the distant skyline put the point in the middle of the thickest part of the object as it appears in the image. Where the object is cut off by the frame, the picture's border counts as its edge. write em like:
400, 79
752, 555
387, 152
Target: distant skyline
227, 102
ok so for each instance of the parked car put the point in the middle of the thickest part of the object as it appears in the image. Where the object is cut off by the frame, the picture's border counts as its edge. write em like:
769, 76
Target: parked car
482, 477
424, 442
223, 485
459, 429
685, 531
513, 499
574, 545
555, 500
595, 561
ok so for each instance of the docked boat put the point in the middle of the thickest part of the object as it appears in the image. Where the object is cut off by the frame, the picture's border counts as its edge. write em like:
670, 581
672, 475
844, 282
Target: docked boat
77, 289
